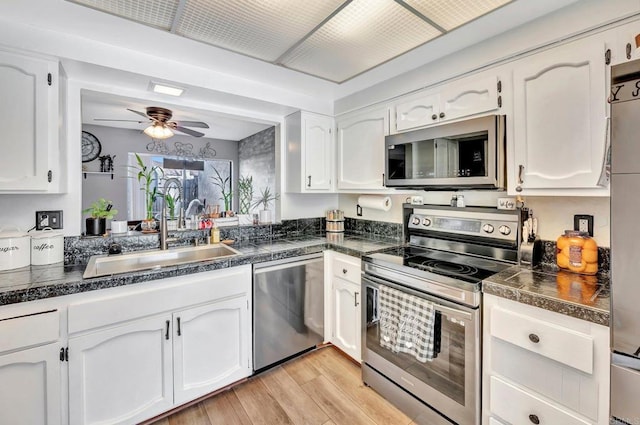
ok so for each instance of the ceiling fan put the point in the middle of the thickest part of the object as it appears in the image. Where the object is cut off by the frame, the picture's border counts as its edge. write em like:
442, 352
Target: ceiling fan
161, 127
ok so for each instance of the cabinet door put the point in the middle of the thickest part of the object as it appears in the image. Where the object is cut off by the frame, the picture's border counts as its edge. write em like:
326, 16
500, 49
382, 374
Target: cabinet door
317, 152
27, 122
211, 347
361, 150
467, 97
346, 298
560, 117
417, 112
30, 390
122, 374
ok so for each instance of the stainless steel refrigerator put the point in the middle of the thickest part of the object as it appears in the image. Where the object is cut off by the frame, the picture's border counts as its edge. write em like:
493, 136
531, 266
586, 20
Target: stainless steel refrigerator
625, 243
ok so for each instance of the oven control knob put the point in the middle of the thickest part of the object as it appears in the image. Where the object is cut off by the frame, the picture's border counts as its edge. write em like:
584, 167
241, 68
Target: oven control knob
488, 228
426, 222
415, 221
505, 230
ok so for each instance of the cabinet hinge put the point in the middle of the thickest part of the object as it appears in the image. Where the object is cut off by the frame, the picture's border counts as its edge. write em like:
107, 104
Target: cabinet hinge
499, 101
64, 354
49, 79
50, 176
607, 56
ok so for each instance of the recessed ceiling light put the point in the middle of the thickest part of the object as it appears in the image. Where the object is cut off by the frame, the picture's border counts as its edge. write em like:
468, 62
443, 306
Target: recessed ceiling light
165, 89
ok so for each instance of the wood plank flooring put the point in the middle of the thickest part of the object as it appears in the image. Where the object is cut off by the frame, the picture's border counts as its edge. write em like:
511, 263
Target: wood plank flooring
322, 387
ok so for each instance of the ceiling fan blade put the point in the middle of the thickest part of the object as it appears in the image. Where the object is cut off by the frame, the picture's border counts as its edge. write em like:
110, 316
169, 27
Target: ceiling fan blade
197, 124
188, 131
107, 119
142, 114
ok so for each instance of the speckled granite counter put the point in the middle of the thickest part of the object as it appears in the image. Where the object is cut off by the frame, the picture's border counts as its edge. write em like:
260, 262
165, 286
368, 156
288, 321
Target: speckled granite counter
584, 297
39, 282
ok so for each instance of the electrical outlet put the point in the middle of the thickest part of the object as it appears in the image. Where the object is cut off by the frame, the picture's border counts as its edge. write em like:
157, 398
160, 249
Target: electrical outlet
51, 219
583, 223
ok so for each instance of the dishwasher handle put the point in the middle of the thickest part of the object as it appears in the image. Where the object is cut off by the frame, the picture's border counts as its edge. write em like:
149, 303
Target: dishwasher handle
267, 269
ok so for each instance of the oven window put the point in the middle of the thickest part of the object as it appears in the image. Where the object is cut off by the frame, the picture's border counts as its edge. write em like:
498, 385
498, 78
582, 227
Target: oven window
445, 373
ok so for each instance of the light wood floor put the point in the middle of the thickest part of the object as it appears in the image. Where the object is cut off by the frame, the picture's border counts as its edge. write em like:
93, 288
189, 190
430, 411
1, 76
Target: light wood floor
321, 387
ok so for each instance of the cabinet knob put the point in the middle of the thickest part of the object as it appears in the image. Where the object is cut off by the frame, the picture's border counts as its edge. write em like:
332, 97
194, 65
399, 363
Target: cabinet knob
434, 117
534, 338
344, 271
441, 114
534, 419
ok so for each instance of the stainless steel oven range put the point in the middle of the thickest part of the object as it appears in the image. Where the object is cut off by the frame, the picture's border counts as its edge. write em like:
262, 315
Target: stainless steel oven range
449, 252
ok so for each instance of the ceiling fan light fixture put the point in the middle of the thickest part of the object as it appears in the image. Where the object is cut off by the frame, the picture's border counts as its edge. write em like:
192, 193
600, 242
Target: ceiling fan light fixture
165, 89
158, 131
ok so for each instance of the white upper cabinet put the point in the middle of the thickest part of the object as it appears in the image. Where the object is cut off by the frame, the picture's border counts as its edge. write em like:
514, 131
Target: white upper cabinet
360, 149
29, 109
309, 152
560, 110
462, 98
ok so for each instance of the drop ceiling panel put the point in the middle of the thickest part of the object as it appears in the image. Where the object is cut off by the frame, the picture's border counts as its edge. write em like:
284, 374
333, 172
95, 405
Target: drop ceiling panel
257, 28
156, 13
362, 35
450, 14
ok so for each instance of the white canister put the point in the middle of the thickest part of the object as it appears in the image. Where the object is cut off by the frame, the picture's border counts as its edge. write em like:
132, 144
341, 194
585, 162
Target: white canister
47, 247
119, 226
15, 250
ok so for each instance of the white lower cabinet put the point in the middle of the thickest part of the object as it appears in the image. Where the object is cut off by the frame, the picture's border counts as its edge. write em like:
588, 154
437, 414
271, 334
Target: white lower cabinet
211, 347
137, 352
542, 367
346, 331
342, 280
122, 374
30, 390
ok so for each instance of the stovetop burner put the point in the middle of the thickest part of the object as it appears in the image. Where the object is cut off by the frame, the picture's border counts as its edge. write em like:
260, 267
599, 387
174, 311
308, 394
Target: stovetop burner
416, 260
438, 266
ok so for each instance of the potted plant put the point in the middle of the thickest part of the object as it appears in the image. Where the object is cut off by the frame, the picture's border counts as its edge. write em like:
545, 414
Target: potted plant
264, 198
145, 176
172, 221
100, 211
225, 189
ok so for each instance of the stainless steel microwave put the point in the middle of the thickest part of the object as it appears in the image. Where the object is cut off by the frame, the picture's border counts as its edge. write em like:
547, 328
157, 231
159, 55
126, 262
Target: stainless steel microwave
466, 154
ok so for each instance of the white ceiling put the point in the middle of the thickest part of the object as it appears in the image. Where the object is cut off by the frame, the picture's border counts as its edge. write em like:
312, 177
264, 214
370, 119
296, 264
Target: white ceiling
109, 106
331, 39
100, 47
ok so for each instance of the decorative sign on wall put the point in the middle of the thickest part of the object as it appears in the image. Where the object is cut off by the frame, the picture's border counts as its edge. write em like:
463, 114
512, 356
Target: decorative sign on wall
181, 150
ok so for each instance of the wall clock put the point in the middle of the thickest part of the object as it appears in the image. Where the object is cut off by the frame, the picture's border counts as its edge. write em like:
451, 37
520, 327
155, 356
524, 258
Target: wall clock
91, 147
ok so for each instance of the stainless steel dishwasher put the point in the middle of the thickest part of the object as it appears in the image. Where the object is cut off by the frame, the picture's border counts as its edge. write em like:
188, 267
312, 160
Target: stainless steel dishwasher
288, 308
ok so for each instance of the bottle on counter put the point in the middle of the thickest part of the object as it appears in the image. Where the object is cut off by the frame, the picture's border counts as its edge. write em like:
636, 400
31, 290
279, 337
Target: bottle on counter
215, 234
577, 252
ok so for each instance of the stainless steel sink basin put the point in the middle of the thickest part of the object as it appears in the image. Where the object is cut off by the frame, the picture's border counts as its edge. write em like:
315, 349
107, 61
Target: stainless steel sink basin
103, 265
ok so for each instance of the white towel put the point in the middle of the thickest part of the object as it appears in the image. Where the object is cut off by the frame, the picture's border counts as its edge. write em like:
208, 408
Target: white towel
406, 324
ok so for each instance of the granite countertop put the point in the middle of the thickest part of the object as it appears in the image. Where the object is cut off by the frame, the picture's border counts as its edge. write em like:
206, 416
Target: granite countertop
39, 282
580, 296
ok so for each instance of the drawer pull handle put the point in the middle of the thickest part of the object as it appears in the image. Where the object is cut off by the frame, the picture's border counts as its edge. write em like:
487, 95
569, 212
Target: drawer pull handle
534, 338
166, 335
434, 117
344, 271
534, 419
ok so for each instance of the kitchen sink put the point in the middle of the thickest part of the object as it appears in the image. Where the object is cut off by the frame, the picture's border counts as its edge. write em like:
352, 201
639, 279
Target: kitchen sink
103, 265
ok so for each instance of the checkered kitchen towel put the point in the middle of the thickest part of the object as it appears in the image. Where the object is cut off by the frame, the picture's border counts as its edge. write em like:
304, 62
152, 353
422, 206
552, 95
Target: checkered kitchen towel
406, 324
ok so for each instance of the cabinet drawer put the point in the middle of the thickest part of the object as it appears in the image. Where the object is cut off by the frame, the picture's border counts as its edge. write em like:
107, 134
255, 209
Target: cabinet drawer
347, 269
519, 407
560, 344
28, 331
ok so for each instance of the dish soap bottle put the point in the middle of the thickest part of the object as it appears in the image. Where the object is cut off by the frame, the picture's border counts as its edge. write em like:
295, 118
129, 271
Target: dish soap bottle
215, 234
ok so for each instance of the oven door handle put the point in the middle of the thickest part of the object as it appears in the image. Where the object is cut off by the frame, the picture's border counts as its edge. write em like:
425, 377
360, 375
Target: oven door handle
439, 307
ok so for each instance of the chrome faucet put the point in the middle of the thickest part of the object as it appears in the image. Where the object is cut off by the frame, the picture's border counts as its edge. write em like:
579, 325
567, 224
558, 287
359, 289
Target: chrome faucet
164, 234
